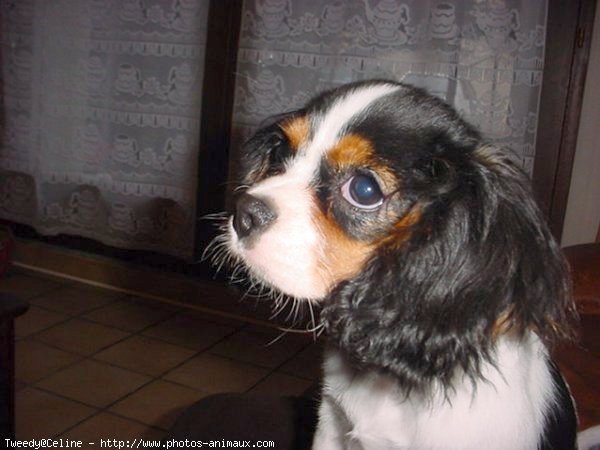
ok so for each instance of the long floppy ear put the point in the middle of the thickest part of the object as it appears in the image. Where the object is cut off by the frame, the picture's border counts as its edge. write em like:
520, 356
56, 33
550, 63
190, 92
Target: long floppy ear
265, 148
479, 263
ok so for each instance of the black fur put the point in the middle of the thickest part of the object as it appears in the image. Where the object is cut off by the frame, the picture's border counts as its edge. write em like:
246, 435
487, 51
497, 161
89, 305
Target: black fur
266, 152
480, 252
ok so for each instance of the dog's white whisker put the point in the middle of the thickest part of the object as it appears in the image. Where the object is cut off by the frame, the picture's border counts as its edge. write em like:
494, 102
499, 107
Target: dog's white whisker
312, 317
281, 304
290, 315
276, 339
296, 311
301, 331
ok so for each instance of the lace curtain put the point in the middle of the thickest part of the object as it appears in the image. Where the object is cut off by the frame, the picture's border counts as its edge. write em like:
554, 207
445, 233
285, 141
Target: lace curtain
101, 109
101, 98
483, 56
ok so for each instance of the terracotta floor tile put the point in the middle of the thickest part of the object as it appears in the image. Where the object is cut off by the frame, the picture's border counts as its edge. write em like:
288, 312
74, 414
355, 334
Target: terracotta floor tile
35, 320
43, 415
145, 354
93, 383
75, 300
158, 404
81, 336
35, 360
128, 316
306, 364
282, 384
25, 286
189, 331
211, 373
109, 426
261, 348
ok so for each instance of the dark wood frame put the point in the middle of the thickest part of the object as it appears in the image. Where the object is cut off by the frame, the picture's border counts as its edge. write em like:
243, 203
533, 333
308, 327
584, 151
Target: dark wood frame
217, 108
568, 39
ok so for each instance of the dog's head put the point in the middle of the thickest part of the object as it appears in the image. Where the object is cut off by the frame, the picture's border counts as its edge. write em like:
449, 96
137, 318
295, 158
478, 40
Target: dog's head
422, 243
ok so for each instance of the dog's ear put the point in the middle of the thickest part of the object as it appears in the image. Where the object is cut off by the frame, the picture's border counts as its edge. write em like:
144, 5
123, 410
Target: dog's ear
265, 148
479, 263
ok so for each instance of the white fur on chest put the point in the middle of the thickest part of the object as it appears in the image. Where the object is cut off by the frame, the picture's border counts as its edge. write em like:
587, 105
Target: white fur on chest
369, 411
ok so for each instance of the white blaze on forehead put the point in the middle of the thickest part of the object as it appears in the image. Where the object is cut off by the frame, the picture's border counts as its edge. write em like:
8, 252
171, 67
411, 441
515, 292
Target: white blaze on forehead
329, 126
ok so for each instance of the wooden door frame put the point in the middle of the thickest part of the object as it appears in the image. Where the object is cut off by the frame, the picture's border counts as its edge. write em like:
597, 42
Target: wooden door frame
567, 51
218, 93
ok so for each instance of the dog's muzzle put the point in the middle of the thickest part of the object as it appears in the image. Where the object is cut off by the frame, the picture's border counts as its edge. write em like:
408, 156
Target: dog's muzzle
252, 216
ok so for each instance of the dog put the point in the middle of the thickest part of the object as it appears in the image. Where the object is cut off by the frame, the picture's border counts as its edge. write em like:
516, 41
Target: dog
441, 287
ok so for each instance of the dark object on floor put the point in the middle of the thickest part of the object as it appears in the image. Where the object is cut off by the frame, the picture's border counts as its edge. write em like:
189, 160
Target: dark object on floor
289, 422
10, 308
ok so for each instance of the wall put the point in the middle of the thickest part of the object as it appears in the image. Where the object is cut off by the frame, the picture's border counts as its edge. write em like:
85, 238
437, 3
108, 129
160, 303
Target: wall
583, 207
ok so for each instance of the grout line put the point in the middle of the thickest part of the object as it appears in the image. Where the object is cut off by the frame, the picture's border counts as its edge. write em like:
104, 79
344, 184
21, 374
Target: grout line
276, 369
60, 322
55, 394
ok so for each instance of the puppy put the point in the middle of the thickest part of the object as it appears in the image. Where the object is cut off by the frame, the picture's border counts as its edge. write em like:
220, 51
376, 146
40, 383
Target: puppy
440, 285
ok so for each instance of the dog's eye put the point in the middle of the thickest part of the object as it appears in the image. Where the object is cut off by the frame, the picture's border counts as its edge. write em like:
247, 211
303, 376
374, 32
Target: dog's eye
274, 141
363, 191
278, 152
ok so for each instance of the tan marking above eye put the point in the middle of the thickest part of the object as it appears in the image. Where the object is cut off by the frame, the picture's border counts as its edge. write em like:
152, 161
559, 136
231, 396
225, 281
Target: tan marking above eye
296, 130
356, 151
351, 150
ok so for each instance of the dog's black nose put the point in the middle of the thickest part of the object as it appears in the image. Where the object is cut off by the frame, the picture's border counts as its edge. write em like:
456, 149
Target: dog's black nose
252, 215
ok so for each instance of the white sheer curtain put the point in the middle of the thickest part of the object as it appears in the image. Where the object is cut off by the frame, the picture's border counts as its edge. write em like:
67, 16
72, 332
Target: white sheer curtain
483, 56
101, 98
101, 118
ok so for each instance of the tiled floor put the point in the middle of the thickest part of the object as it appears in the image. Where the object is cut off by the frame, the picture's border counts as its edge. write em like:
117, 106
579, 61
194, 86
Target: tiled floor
92, 363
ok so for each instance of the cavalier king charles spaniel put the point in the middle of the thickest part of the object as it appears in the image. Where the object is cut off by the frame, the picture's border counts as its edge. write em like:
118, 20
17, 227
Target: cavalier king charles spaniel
440, 285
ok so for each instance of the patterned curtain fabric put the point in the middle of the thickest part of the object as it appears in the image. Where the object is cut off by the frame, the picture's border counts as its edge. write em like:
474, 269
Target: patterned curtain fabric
101, 113
101, 98
483, 56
